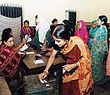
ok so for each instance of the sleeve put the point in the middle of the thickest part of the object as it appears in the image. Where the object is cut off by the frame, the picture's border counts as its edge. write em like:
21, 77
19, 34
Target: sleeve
56, 47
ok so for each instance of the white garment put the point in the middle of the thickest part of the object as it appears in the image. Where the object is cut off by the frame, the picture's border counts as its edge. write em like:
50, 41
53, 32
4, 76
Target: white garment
43, 28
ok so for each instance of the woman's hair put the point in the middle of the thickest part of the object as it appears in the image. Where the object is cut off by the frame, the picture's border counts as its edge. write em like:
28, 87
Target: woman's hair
26, 21
54, 20
62, 32
104, 19
6, 35
69, 25
7, 31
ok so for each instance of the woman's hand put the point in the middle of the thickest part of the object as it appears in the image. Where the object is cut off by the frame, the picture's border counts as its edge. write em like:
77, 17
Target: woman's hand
23, 41
68, 67
43, 75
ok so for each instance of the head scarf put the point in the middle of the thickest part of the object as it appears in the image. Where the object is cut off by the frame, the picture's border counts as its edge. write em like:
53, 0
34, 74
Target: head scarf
82, 32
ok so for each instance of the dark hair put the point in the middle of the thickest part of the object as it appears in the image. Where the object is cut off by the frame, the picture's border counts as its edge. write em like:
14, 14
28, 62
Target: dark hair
36, 16
52, 27
6, 35
54, 20
69, 25
62, 32
7, 31
26, 21
104, 19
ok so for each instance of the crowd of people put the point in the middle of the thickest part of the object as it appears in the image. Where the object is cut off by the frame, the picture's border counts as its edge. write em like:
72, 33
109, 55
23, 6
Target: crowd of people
86, 53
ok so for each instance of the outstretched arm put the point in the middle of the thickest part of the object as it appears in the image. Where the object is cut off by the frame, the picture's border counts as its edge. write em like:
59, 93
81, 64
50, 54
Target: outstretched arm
49, 63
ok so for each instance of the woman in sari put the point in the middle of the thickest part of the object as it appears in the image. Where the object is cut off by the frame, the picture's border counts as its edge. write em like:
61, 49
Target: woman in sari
81, 31
92, 32
98, 52
108, 64
26, 31
77, 78
10, 59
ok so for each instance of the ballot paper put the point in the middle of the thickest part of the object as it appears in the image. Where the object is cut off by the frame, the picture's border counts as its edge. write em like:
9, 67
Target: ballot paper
29, 52
43, 81
40, 61
28, 38
24, 47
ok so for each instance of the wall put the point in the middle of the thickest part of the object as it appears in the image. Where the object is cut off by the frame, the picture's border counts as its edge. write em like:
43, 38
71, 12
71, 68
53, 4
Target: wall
86, 9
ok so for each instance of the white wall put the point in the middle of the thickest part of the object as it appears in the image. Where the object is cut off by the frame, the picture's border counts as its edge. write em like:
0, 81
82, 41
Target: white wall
86, 9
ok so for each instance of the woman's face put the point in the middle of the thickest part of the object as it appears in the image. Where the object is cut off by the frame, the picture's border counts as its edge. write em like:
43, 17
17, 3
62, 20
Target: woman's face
60, 42
94, 25
26, 24
10, 42
99, 22
78, 25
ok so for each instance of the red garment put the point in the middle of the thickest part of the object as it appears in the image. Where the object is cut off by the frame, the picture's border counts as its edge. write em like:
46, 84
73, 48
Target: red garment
24, 32
9, 61
77, 51
73, 88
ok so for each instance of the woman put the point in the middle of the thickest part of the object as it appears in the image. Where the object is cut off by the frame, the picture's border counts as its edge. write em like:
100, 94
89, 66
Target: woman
77, 80
92, 32
81, 31
108, 64
9, 59
98, 52
26, 31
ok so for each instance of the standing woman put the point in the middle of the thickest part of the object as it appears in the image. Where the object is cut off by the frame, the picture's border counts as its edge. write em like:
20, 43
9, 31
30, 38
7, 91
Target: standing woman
77, 80
81, 31
92, 32
108, 64
98, 52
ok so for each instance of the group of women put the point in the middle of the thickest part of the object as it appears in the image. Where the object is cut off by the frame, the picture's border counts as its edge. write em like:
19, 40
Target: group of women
84, 55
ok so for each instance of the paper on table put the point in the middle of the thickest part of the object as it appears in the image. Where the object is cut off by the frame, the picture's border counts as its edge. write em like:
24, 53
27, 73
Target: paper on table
24, 47
29, 52
28, 38
40, 61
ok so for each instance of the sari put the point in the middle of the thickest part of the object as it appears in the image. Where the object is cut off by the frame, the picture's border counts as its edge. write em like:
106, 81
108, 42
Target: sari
78, 82
98, 53
108, 64
92, 32
9, 61
82, 32
24, 31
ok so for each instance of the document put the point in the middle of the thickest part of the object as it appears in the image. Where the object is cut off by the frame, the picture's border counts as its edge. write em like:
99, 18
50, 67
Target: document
40, 61
24, 47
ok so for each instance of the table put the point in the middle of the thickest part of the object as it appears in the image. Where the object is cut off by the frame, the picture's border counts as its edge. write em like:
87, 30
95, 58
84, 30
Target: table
28, 60
4, 89
38, 68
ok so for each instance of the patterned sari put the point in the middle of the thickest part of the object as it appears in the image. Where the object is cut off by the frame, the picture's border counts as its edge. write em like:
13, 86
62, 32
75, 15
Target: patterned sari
108, 64
24, 31
98, 52
92, 32
78, 82
9, 61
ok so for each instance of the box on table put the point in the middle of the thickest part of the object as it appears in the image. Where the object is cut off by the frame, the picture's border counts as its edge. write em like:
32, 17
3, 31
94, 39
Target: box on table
33, 86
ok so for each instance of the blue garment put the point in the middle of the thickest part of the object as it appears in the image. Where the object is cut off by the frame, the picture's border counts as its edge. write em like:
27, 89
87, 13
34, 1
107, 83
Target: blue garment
92, 32
98, 52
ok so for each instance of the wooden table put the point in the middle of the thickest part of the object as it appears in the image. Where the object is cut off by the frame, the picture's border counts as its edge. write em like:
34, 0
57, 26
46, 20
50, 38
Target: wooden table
4, 89
29, 59
29, 62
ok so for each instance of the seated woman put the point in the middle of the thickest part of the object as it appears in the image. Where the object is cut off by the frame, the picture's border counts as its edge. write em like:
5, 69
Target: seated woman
10, 59
77, 78
27, 32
